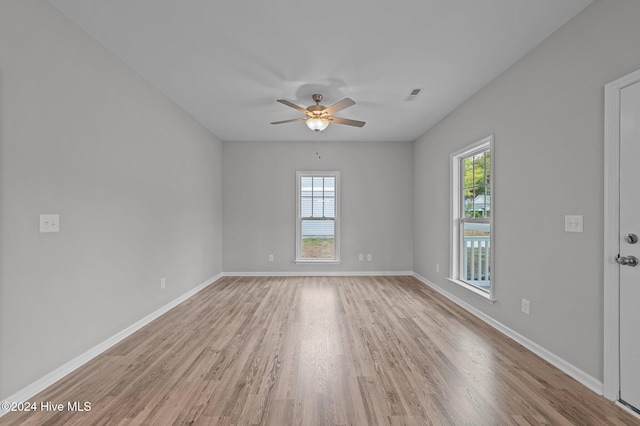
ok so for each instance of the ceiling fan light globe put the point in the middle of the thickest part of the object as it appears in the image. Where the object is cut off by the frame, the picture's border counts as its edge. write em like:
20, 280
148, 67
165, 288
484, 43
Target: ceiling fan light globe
317, 124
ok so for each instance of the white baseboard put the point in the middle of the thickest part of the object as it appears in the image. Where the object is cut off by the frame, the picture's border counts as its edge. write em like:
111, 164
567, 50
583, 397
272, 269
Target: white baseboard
41, 384
318, 274
586, 379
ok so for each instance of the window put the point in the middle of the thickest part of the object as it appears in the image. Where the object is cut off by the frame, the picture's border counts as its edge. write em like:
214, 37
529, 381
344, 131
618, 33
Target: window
317, 211
472, 219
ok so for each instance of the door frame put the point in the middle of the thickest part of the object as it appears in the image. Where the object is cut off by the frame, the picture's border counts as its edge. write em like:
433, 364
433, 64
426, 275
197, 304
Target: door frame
611, 379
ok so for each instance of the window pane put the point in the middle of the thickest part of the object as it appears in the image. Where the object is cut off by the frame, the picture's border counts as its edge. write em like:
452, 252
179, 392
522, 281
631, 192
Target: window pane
305, 206
481, 203
329, 182
306, 194
475, 185
317, 207
317, 197
317, 186
306, 185
329, 207
318, 239
476, 254
468, 203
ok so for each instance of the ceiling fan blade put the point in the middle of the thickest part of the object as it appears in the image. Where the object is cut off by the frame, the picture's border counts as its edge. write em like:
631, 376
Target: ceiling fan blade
338, 106
292, 105
288, 121
346, 121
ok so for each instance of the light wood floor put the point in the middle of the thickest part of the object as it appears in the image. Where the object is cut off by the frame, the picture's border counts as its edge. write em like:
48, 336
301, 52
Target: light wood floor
321, 350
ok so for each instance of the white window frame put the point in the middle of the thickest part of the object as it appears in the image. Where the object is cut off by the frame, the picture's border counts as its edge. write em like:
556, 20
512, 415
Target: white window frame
336, 238
457, 216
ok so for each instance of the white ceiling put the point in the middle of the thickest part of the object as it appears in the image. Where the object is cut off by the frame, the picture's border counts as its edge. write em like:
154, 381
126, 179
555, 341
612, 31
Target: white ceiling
227, 61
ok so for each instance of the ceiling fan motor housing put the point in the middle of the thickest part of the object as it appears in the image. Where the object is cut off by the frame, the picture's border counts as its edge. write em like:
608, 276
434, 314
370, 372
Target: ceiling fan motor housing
317, 108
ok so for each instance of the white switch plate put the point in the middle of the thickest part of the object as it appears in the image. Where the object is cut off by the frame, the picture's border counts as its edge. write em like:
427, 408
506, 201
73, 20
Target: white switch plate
270, 258
49, 223
573, 223
369, 257
525, 306
361, 257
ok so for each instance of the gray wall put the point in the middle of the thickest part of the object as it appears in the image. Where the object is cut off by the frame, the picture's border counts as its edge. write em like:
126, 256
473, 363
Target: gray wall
376, 185
546, 113
137, 183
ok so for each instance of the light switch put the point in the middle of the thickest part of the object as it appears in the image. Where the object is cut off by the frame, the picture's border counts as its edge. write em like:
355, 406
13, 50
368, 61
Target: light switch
49, 223
573, 223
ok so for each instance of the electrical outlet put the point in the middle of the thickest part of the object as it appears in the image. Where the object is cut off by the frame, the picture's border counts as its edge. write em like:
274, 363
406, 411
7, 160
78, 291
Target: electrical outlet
361, 257
163, 283
270, 258
437, 267
369, 257
573, 223
525, 306
49, 223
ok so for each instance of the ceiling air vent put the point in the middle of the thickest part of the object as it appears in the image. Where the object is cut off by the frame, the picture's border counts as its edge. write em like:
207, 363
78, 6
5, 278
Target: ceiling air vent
413, 94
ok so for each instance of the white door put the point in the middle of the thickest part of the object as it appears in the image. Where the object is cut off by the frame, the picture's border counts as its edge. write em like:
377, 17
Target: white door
629, 245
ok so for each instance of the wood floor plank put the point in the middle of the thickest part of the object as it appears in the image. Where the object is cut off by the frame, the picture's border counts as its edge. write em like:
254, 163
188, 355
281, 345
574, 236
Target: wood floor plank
320, 351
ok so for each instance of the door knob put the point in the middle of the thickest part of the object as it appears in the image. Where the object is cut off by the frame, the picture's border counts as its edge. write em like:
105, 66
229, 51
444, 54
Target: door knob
627, 260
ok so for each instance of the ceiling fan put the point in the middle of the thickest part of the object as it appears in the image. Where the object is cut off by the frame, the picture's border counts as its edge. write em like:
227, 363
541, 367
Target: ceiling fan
318, 116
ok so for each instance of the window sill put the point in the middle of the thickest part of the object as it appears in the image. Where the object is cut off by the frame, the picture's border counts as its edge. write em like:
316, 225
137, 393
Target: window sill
314, 261
473, 289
